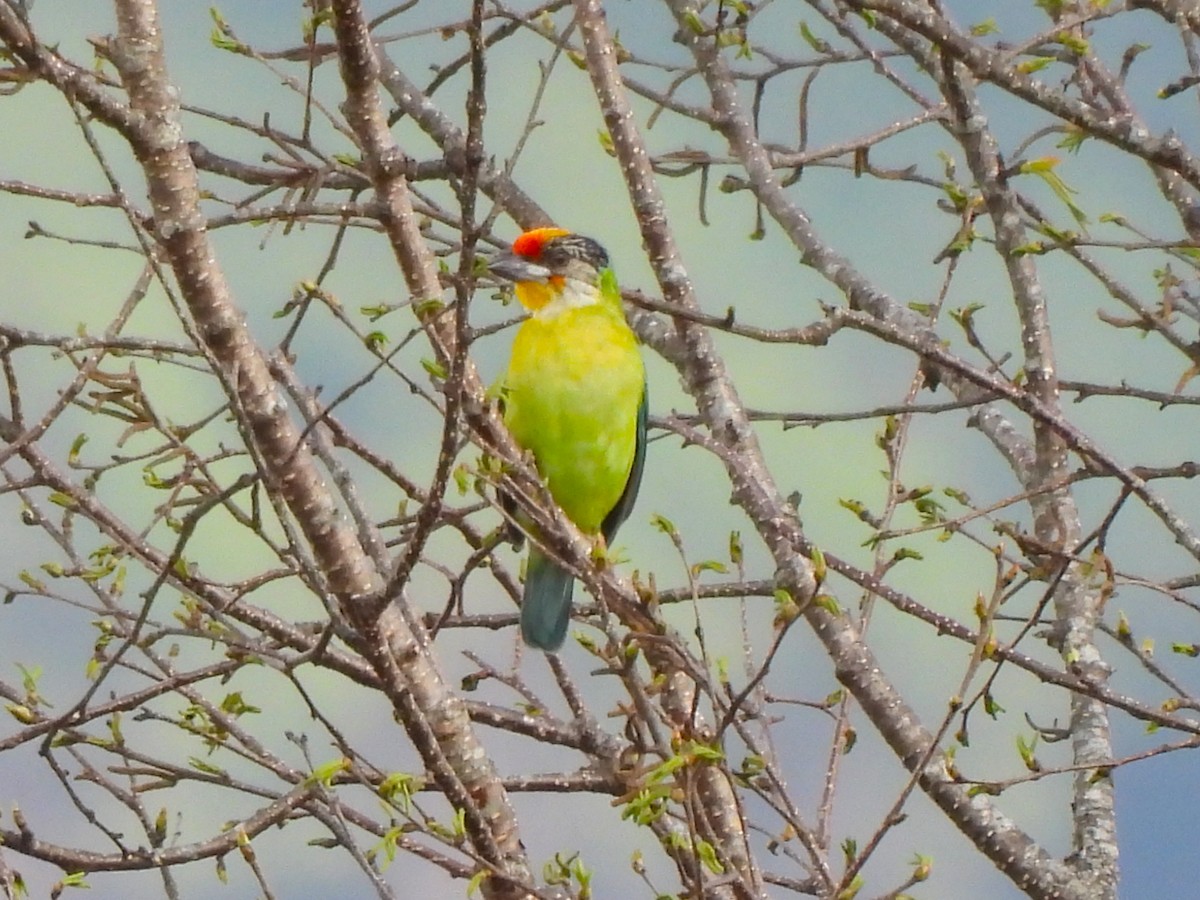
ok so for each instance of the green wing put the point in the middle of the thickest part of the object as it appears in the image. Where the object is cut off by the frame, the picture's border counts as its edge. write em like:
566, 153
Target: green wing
624, 507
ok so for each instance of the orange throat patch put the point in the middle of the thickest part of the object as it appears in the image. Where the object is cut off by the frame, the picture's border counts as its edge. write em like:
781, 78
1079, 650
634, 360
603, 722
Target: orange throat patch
534, 295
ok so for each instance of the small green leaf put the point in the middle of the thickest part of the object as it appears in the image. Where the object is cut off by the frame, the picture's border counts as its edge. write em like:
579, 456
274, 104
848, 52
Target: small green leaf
476, 880
1026, 750
32, 581
752, 765
1033, 248
1045, 169
462, 478
429, 307
929, 509
849, 849
324, 774
1072, 42
828, 604
234, 704
21, 713
434, 368
114, 728
399, 787
955, 494
819, 44
1124, 629
375, 313
1029, 66
735, 548
460, 823
786, 609
76, 446
708, 856
1073, 139
849, 739
851, 891
29, 679
221, 42
855, 506
75, 880
820, 570
663, 524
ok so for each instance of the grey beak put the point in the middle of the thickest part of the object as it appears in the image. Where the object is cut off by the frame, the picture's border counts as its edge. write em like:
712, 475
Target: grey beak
509, 267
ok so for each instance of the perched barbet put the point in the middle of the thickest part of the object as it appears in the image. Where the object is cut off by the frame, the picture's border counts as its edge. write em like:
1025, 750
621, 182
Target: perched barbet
574, 397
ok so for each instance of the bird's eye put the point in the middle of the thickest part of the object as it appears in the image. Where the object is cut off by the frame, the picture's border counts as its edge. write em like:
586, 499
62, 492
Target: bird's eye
555, 255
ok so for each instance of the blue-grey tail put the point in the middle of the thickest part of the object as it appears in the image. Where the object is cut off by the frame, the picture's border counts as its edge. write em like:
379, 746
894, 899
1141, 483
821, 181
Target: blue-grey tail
546, 603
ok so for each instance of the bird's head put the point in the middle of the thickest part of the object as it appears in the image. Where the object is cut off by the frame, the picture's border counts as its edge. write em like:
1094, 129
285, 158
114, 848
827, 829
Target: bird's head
550, 264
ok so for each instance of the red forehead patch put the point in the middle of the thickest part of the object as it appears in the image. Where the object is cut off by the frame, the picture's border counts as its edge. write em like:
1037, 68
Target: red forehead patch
529, 245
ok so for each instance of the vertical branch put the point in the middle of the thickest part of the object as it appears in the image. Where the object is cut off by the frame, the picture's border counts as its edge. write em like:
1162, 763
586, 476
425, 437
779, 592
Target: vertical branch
431, 511
179, 227
475, 785
700, 365
434, 716
1009, 847
1056, 518
708, 381
171, 619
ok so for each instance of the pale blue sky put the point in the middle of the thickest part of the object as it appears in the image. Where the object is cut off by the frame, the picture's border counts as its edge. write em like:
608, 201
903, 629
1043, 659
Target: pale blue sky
890, 230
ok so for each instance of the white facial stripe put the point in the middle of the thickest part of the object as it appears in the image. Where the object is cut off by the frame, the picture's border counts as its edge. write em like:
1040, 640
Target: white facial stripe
574, 295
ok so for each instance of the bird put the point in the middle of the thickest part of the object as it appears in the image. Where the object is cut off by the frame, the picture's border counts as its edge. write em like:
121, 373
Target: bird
574, 396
